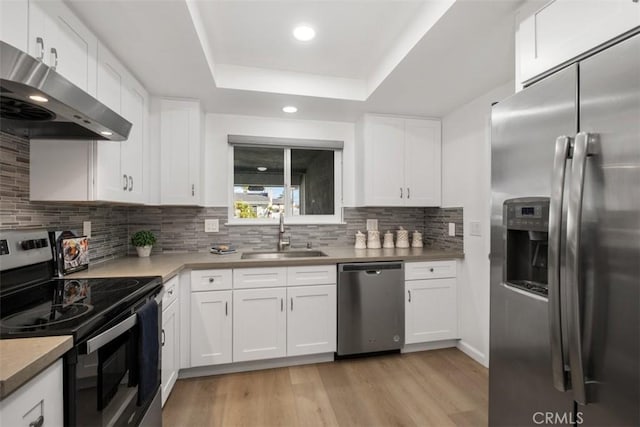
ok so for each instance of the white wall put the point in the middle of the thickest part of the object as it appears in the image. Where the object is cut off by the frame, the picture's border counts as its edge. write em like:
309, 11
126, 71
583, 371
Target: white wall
216, 152
466, 182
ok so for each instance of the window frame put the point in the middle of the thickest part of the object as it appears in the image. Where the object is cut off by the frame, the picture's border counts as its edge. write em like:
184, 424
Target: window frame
336, 218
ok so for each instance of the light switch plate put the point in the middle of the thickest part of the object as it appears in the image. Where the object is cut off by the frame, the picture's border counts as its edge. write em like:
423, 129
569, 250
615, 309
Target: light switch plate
211, 226
452, 229
475, 228
86, 229
372, 224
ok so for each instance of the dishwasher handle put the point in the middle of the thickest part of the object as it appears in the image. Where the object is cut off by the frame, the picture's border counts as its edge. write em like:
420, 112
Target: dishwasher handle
371, 267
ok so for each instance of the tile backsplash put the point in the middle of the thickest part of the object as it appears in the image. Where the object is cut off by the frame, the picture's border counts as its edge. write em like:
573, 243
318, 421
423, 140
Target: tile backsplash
181, 229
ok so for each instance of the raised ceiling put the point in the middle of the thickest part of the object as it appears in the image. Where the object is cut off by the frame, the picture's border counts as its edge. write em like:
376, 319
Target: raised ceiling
422, 58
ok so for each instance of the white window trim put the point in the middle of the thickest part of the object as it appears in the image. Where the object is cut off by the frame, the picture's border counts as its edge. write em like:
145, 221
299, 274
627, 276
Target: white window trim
336, 218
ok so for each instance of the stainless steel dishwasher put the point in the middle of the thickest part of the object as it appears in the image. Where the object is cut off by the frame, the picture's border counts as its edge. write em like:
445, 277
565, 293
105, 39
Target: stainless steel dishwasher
370, 307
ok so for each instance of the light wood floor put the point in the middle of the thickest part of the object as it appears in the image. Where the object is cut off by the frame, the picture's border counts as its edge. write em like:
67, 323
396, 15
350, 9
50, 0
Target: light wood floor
432, 388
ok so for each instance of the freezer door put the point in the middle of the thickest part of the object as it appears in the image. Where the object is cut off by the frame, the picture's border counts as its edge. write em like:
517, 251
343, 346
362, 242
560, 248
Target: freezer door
608, 276
525, 128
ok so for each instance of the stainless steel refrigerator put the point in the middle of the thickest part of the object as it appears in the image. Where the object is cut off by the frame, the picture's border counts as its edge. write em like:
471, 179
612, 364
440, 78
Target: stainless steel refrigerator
565, 246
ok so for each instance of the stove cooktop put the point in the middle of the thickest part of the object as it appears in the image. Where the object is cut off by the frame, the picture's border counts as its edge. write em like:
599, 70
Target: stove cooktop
70, 306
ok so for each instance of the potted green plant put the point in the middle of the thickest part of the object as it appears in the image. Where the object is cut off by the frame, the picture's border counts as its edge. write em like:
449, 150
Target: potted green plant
143, 240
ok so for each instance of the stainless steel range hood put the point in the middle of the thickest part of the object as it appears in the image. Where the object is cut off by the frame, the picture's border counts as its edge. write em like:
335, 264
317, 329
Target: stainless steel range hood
38, 103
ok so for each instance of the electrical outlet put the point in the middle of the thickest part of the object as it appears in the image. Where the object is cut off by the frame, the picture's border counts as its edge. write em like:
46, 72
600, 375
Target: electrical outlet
86, 229
475, 228
452, 229
211, 226
372, 224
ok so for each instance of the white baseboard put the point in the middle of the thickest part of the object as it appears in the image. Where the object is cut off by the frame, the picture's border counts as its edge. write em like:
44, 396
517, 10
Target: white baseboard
254, 365
436, 345
473, 353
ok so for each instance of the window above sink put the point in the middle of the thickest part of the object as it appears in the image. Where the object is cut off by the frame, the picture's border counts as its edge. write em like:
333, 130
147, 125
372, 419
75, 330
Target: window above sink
300, 179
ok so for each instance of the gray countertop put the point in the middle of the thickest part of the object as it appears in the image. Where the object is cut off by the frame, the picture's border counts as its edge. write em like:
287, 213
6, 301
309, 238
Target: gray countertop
168, 265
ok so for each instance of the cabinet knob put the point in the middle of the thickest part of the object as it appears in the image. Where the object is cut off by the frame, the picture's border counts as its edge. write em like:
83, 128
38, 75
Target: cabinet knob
211, 279
170, 291
54, 58
40, 43
431, 269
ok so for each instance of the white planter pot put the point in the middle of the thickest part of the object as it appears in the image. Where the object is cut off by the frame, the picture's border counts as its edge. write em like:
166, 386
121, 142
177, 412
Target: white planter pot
143, 251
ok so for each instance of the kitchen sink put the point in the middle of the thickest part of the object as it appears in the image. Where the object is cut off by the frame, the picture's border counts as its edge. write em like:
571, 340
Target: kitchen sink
282, 255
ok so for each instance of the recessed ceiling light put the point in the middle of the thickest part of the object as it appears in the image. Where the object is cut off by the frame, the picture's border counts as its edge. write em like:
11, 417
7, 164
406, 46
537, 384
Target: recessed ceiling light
289, 109
106, 133
38, 98
261, 168
304, 33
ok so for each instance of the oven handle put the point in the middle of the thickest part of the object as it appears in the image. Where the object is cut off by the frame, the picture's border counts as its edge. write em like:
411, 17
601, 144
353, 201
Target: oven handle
110, 334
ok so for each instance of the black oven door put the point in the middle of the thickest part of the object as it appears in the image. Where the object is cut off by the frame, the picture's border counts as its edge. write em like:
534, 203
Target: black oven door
106, 377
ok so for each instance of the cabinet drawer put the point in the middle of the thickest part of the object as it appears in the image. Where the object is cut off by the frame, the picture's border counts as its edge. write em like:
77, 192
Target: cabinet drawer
170, 292
259, 277
311, 275
429, 270
210, 280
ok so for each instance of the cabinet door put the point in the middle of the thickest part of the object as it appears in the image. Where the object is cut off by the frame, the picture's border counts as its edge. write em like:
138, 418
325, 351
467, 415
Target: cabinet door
74, 44
564, 29
14, 16
259, 324
40, 397
430, 311
132, 153
311, 321
170, 349
180, 152
211, 314
384, 161
422, 162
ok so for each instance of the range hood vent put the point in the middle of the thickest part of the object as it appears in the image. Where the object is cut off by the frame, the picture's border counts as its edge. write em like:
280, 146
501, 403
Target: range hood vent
61, 109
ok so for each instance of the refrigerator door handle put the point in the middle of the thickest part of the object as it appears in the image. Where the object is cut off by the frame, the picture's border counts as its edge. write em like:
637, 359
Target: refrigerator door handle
583, 147
562, 151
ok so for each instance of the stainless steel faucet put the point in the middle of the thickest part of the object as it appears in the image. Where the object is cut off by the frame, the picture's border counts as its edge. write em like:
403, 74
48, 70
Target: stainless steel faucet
282, 242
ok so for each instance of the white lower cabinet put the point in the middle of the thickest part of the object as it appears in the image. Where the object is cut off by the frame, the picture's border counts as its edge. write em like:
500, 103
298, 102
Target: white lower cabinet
311, 320
211, 314
170, 337
431, 312
38, 402
259, 324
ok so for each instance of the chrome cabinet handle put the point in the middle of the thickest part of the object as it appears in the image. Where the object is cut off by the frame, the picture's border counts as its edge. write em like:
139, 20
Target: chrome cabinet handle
291, 303
226, 308
193, 189
582, 148
124, 177
39, 422
54, 58
40, 42
409, 295
281, 304
401, 192
560, 375
408, 193
163, 340
130, 183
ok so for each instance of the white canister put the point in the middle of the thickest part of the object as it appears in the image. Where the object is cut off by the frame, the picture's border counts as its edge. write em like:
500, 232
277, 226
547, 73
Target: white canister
373, 240
416, 241
388, 240
361, 240
402, 238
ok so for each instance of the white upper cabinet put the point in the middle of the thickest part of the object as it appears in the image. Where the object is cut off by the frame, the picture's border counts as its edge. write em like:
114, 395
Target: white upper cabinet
400, 161
61, 40
14, 23
565, 29
110, 171
181, 133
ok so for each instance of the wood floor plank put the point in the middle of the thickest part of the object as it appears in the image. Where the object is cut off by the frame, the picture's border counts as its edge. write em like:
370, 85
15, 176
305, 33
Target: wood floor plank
433, 388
